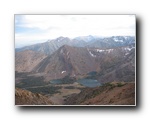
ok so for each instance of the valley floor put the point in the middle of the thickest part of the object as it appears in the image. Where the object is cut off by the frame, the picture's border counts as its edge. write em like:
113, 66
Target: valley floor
65, 91
115, 93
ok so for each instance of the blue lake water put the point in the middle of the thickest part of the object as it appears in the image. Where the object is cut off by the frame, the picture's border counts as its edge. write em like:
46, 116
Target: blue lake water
84, 82
89, 82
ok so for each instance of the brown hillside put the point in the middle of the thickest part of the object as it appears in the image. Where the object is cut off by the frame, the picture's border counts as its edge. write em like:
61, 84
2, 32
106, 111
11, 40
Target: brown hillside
109, 64
67, 60
24, 97
26, 60
111, 94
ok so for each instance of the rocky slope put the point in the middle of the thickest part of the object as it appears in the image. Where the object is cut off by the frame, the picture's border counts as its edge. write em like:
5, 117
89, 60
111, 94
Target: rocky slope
109, 64
67, 61
24, 97
26, 60
121, 67
109, 94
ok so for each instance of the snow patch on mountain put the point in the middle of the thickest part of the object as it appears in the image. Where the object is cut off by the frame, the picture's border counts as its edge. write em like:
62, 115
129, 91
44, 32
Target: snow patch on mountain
128, 48
63, 72
108, 50
117, 40
92, 54
98, 50
125, 37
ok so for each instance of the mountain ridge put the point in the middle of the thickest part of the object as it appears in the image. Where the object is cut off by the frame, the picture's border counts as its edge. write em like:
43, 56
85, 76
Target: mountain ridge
83, 71
52, 45
78, 62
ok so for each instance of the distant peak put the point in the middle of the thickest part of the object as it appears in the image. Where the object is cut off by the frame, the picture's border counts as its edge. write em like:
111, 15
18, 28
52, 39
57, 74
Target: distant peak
58, 39
61, 37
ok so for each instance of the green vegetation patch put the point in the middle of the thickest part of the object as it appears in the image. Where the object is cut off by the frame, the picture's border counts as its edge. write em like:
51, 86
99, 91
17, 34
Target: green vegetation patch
45, 89
65, 80
30, 81
114, 84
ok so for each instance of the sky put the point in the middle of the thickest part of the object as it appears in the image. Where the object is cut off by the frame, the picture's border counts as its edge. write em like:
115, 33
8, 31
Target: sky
31, 29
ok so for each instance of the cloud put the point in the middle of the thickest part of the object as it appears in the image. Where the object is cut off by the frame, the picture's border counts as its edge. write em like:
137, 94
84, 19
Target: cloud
39, 27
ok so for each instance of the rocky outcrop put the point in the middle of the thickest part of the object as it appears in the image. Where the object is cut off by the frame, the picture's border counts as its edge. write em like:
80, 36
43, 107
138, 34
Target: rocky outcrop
24, 97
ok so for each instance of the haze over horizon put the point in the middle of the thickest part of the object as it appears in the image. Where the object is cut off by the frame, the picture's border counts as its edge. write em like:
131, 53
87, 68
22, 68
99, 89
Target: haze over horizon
31, 29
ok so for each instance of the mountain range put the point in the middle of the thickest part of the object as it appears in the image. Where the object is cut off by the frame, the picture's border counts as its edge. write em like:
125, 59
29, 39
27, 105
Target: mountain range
105, 59
109, 62
51, 46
